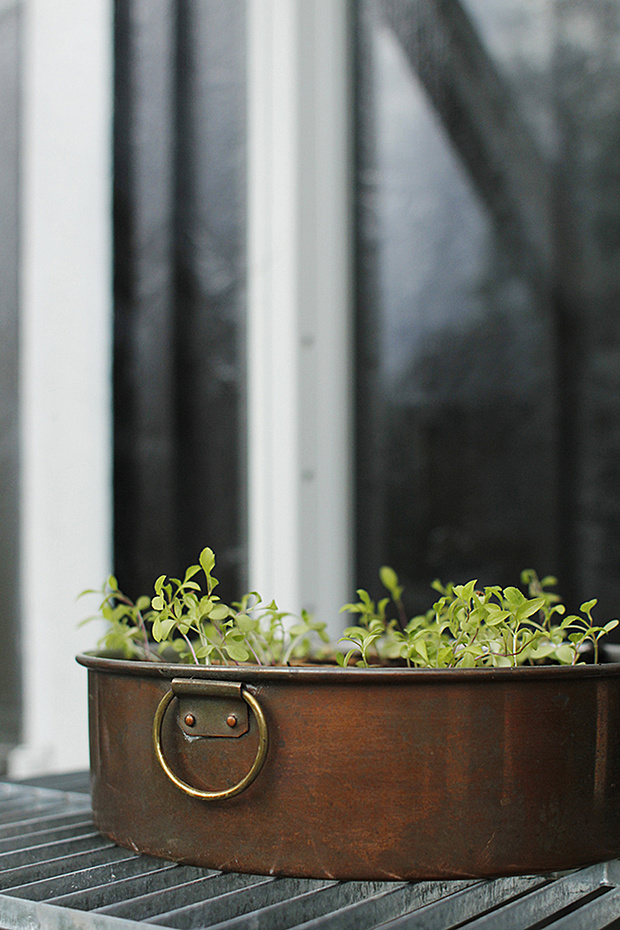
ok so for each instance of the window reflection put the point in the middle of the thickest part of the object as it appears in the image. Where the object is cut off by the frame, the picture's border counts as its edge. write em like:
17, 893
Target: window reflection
481, 314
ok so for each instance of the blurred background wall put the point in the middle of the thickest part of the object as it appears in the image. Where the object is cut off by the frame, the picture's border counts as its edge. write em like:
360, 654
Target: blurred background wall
321, 284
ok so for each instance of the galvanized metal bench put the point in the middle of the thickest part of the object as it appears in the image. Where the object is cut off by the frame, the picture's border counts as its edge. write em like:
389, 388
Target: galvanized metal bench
58, 873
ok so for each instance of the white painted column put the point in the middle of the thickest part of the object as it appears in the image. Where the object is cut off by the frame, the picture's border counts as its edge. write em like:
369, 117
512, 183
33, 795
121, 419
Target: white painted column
299, 340
65, 353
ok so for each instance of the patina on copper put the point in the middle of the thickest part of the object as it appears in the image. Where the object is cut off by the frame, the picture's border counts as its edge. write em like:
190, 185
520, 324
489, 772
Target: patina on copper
369, 774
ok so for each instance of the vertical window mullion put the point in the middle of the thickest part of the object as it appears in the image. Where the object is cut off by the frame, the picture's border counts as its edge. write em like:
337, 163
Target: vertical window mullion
299, 370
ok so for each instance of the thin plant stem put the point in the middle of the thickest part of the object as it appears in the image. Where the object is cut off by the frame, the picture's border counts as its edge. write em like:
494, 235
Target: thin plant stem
191, 648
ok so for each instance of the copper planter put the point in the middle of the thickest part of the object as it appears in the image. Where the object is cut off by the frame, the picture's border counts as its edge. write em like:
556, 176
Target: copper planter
358, 773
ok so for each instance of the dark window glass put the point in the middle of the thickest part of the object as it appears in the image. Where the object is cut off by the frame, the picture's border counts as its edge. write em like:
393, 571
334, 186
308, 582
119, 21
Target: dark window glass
179, 288
488, 192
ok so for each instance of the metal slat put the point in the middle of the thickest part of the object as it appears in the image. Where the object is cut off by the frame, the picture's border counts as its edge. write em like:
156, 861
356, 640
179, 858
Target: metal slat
543, 903
57, 867
16, 914
67, 781
50, 835
207, 888
48, 822
235, 901
102, 887
12, 802
127, 890
13, 793
329, 900
455, 909
83, 881
594, 915
13, 812
32, 799
31, 813
58, 849
361, 917
392, 900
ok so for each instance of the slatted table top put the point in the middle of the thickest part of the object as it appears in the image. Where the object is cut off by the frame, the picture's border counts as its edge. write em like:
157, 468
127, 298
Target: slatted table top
58, 873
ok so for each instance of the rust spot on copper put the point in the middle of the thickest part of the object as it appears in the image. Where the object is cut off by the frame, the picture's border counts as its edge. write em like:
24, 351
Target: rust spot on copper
190, 720
231, 720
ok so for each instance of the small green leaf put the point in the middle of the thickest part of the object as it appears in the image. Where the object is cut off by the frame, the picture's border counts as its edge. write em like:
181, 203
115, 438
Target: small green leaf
246, 624
159, 584
207, 560
565, 654
190, 572
389, 578
528, 608
191, 586
204, 651
219, 612
237, 651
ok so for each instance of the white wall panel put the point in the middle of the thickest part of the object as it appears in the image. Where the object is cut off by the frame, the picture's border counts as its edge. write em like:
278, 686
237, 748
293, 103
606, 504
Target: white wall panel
65, 364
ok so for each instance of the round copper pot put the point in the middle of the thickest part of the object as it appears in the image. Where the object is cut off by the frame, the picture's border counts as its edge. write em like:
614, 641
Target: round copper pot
358, 773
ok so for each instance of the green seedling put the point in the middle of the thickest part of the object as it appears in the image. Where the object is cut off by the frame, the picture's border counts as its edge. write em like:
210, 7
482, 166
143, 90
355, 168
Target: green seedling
188, 617
466, 627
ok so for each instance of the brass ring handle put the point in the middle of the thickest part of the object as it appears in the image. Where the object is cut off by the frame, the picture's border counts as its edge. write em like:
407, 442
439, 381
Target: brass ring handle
248, 778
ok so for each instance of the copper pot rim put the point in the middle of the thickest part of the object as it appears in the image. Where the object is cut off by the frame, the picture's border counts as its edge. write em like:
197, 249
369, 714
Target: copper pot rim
101, 661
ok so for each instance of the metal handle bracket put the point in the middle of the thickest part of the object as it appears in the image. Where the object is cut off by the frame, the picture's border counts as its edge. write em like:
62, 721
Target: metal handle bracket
206, 689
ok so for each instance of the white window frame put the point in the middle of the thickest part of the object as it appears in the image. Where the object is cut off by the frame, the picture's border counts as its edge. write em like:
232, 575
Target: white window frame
65, 365
299, 304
